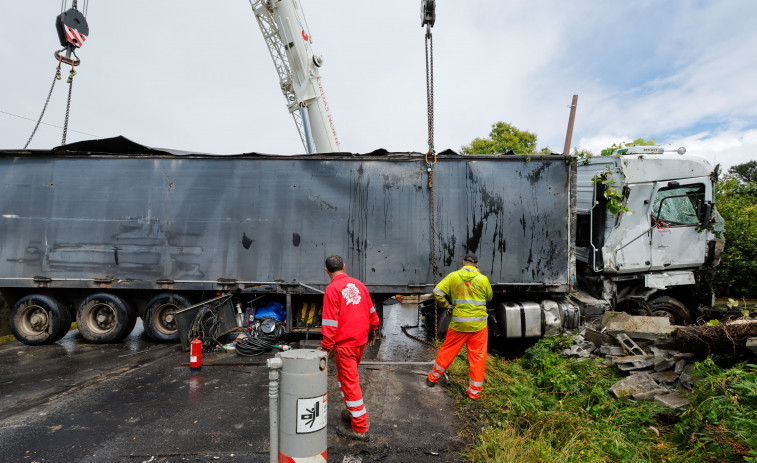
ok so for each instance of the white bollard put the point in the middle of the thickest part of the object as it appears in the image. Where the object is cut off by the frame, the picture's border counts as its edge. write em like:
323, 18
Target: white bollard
274, 365
302, 402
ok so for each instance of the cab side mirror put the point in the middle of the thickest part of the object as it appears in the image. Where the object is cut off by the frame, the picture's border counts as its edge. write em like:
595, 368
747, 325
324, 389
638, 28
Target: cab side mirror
706, 218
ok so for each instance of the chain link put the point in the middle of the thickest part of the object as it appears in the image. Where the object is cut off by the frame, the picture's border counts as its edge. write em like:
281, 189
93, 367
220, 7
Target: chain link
404, 330
44, 108
433, 251
429, 46
429, 42
430, 88
68, 104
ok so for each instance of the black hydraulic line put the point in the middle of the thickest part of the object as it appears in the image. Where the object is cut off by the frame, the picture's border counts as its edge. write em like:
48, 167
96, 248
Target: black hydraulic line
205, 327
252, 346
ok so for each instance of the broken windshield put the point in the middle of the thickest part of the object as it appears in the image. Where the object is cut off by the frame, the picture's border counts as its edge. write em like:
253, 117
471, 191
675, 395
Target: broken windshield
679, 206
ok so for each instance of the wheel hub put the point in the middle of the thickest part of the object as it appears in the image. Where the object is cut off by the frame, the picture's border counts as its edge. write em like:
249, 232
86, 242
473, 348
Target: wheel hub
167, 318
104, 317
38, 319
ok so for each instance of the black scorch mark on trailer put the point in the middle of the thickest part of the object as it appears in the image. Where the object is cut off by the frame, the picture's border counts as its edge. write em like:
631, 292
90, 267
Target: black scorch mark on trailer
449, 249
534, 176
474, 239
491, 208
357, 221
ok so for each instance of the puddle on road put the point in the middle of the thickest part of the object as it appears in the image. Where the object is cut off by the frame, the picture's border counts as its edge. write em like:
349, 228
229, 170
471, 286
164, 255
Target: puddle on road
195, 388
135, 342
396, 346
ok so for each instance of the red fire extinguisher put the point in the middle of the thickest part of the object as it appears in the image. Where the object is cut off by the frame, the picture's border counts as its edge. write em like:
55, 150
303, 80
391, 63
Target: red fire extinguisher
195, 355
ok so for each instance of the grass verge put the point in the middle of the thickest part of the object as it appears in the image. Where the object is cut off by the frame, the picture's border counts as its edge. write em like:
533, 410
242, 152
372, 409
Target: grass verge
544, 407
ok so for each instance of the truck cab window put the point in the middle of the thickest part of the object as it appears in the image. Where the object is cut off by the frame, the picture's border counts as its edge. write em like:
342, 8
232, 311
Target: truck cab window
678, 206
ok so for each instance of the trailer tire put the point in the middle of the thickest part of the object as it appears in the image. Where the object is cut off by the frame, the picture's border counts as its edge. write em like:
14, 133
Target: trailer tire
442, 324
675, 310
132, 318
427, 308
160, 317
38, 320
104, 318
496, 324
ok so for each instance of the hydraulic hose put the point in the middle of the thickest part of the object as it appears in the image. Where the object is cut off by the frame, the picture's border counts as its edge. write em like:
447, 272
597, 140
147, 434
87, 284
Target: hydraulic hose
250, 346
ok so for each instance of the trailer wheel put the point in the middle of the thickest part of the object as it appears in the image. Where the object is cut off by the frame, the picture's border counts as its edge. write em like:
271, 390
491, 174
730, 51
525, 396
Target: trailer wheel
666, 306
38, 319
104, 318
132, 318
442, 324
160, 317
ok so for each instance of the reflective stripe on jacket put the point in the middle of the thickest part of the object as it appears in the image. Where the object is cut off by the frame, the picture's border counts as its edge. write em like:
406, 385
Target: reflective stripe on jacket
468, 290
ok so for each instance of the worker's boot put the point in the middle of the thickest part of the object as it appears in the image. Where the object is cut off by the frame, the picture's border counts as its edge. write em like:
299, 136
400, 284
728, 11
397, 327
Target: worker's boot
350, 433
430, 383
346, 416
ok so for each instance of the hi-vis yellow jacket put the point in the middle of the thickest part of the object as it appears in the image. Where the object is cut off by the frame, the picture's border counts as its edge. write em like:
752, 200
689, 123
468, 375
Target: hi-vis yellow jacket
469, 292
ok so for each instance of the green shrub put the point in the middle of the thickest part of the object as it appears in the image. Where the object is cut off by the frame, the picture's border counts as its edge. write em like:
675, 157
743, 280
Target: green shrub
737, 203
545, 407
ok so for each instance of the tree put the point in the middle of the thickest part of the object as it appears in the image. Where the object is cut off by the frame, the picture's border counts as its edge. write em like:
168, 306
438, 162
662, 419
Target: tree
746, 172
616, 146
503, 138
604, 178
737, 204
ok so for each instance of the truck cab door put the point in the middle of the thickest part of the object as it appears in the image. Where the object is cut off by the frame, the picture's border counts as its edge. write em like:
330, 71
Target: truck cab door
679, 208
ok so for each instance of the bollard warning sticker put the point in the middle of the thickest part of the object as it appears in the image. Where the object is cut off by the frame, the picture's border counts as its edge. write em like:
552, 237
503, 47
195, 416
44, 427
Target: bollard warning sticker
311, 414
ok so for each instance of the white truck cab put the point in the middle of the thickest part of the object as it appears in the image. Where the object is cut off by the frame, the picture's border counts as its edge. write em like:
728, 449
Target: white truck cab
656, 254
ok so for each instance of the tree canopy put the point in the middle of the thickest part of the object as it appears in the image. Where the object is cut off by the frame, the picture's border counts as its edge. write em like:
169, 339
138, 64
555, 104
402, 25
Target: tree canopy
746, 172
737, 203
616, 146
503, 138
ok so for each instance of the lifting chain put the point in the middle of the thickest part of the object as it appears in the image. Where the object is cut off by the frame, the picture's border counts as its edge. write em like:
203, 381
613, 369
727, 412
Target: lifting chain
68, 103
73, 30
404, 330
428, 17
431, 151
44, 108
430, 94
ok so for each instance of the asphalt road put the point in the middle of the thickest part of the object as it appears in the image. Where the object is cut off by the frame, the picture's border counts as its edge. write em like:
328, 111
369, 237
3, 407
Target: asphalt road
137, 401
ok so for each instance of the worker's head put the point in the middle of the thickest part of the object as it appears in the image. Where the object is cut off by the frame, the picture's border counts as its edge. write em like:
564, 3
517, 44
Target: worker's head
470, 259
334, 264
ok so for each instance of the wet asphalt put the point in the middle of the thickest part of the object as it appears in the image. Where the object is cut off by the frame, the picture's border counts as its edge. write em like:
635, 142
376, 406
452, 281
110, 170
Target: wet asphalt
138, 401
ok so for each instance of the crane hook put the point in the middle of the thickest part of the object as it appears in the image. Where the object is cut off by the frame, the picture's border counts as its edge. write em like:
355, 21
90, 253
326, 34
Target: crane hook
72, 30
428, 13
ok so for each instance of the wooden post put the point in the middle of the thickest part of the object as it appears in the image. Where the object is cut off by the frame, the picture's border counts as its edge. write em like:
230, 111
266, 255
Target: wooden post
571, 119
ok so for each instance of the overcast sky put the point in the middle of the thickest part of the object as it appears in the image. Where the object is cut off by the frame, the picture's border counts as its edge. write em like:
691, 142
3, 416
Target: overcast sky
196, 75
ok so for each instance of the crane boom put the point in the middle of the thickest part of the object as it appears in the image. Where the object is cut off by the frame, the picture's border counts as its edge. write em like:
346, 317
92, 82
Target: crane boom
286, 34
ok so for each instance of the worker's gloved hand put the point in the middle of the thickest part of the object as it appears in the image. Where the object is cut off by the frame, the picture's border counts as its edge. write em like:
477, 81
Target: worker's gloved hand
450, 308
371, 337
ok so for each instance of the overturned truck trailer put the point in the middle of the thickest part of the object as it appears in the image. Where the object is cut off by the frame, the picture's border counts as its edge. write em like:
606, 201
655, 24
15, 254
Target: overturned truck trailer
102, 232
